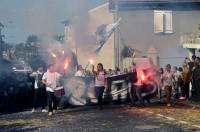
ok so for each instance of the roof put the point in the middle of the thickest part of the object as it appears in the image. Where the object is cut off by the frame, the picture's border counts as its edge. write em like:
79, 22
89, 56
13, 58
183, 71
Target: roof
155, 4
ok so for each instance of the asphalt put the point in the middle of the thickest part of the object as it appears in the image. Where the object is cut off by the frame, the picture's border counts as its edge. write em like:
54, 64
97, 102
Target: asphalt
120, 118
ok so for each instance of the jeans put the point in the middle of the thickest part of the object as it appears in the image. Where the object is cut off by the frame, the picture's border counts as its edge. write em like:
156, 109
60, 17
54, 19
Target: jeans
99, 94
51, 99
168, 92
39, 98
185, 90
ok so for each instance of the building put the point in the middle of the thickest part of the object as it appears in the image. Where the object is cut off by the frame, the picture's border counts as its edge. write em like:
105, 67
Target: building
169, 26
95, 17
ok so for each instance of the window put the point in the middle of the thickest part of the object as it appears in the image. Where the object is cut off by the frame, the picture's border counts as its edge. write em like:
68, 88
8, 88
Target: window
163, 22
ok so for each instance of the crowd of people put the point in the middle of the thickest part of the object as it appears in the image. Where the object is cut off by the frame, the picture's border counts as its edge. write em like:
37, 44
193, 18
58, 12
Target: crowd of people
180, 81
173, 81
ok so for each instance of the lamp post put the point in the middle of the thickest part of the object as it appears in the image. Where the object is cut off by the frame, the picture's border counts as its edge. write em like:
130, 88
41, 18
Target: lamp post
1, 40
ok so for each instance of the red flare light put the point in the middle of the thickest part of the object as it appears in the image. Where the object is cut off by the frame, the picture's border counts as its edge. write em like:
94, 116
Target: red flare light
142, 77
66, 65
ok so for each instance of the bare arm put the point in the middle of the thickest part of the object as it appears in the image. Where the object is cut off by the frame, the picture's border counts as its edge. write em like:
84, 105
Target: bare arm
33, 74
93, 71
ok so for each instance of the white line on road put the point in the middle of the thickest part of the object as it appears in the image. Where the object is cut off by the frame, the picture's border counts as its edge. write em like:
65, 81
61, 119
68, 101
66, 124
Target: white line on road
170, 118
150, 112
183, 122
160, 115
196, 126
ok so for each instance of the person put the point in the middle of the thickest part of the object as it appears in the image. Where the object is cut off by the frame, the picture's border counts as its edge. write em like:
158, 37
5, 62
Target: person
176, 84
196, 79
110, 72
161, 72
39, 90
99, 83
125, 70
191, 64
117, 71
148, 89
51, 79
80, 71
132, 68
167, 83
186, 82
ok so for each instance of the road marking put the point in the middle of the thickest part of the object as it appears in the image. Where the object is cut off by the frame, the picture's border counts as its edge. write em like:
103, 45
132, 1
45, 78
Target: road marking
150, 112
173, 119
170, 118
196, 126
183, 122
160, 115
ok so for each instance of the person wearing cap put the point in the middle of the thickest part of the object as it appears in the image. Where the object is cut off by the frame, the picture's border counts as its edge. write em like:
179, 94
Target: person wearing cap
51, 80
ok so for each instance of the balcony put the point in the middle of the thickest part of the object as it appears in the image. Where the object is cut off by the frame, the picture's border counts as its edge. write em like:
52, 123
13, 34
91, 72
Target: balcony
190, 40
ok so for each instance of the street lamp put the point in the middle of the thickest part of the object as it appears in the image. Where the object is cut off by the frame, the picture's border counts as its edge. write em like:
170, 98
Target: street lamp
1, 40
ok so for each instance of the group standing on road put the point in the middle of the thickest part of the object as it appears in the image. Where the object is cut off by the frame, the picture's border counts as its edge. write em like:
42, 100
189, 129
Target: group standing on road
174, 82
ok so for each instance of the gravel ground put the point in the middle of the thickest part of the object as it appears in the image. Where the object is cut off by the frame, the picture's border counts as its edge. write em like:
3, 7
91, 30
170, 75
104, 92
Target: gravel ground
119, 118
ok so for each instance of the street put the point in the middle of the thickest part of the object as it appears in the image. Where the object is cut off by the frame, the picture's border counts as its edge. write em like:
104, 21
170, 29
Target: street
152, 118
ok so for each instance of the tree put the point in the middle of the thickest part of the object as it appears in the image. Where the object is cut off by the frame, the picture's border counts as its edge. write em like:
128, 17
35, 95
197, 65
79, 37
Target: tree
32, 39
32, 46
1, 40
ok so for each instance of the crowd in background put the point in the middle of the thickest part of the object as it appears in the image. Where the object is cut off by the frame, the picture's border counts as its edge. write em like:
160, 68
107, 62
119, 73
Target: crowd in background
182, 82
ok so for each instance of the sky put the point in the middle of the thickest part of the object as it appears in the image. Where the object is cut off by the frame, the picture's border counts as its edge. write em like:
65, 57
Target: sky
39, 17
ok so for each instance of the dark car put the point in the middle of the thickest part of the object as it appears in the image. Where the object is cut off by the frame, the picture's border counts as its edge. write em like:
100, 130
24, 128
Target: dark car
16, 88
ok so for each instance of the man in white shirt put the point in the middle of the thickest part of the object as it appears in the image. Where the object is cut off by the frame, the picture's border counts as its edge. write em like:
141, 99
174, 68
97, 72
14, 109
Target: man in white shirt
51, 80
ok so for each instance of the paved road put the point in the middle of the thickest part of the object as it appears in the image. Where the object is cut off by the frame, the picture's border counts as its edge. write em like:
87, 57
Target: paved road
120, 118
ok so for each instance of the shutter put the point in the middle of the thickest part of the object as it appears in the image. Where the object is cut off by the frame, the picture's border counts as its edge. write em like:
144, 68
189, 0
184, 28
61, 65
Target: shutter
158, 22
168, 27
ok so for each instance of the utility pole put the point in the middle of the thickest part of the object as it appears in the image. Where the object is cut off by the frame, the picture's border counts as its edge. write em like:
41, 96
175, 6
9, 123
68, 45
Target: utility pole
1, 41
117, 43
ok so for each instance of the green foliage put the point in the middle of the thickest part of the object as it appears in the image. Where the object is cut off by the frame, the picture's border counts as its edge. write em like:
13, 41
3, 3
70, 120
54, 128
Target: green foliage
29, 52
127, 51
35, 62
32, 39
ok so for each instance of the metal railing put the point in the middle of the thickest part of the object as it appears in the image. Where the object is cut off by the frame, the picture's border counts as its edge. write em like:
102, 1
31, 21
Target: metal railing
190, 38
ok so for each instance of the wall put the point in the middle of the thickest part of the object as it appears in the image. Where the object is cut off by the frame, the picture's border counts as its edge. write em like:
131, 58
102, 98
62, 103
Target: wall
98, 16
137, 30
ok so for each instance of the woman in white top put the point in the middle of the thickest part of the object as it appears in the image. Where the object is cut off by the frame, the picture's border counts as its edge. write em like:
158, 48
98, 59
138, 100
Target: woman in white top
99, 82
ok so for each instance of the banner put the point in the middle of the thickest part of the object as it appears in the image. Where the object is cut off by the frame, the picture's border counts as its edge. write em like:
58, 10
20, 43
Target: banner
103, 33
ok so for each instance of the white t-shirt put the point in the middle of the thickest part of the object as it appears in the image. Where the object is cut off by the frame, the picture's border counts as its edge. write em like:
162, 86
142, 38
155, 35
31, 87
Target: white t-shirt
52, 79
167, 78
100, 79
35, 75
79, 73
